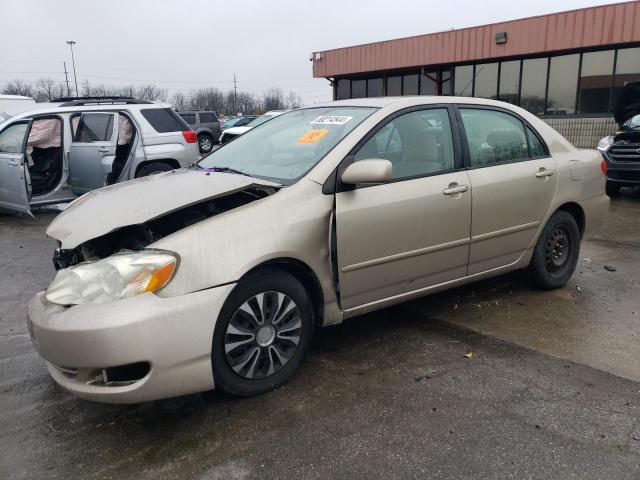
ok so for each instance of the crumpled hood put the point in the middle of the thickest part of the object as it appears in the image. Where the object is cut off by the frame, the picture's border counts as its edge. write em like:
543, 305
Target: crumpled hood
237, 130
628, 103
137, 201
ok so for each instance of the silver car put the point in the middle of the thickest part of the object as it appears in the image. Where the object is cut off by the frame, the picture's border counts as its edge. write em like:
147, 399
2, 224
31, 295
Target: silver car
54, 152
218, 276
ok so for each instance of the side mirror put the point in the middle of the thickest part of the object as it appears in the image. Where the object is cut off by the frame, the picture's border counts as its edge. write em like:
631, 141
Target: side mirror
370, 171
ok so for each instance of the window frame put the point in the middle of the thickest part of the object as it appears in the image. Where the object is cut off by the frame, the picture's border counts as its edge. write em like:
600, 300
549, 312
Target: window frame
334, 184
114, 129
525, 124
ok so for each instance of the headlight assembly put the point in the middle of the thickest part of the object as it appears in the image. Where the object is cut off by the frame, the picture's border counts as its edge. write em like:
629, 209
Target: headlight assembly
605, 143
119, 276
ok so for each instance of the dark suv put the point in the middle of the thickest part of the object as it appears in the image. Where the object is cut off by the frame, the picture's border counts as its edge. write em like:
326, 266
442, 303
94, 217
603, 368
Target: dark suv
206, 125
622, 150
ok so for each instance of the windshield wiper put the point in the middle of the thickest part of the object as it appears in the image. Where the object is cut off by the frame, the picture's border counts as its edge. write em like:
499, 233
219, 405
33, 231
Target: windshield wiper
220, 169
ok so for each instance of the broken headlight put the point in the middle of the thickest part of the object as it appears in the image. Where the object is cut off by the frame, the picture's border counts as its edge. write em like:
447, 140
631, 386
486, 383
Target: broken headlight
122, 275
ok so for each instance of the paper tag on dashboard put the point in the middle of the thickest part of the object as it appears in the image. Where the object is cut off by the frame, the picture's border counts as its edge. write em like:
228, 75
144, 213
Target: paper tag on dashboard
332, 120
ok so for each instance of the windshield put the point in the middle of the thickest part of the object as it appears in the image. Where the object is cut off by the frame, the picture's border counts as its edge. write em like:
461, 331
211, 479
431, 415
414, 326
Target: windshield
260, 120
232, 122
288, 146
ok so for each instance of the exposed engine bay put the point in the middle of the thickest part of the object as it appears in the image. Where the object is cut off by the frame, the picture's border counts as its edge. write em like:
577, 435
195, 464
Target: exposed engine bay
137, 237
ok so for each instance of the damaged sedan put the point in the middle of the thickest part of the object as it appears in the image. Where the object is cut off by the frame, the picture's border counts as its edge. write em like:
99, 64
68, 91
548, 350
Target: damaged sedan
218, 276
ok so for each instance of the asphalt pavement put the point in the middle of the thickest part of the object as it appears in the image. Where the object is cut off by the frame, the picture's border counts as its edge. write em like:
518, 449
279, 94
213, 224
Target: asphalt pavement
493, 380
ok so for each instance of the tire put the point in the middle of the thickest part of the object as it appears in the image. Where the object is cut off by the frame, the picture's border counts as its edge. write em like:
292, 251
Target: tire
556, 253
205, 143
237, 369
613, 190
153, 167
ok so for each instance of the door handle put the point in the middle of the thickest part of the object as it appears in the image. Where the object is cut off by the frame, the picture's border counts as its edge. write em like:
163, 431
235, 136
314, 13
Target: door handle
454, 189
543, 172
104, 149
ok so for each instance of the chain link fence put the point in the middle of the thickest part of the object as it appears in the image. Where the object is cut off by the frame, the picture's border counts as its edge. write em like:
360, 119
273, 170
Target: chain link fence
583, 132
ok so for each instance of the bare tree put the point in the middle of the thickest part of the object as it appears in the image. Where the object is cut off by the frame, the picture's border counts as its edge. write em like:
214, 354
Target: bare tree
273, 99
208, 99
293, 100
18, 87
179, 101
48, 89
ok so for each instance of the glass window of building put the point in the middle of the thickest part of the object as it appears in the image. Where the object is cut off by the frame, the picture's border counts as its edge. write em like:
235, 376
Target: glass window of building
394, 86
374, 87
445, 82
428, 83
534, 84
627, 68
510, 82
563, 84
596, 80
410, 85
344, 89
358, 88
486, 85
464, 81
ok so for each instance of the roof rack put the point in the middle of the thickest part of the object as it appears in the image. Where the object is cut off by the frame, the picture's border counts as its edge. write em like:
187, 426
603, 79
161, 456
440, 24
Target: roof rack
79, 101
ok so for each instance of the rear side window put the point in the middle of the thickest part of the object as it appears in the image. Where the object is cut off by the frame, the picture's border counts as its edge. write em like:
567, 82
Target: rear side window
494, 137
535, 145
190, 118
94, 127
164, 120
208, 117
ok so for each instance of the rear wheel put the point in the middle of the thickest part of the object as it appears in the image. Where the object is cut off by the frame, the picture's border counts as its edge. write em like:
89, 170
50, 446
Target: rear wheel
613, 190
153, 167
556, 254
262, 334
205, 142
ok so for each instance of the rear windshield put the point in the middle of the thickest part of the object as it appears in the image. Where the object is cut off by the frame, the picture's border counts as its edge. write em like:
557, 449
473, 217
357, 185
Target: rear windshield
164, 120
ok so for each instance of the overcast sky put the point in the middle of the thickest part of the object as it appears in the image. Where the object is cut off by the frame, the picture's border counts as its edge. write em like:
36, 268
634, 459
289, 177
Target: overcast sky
184, 45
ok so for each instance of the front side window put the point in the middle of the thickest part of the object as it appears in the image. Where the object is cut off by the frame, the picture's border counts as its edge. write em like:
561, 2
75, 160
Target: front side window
94, 127
493, 137
12, 138
416, 143
289, 145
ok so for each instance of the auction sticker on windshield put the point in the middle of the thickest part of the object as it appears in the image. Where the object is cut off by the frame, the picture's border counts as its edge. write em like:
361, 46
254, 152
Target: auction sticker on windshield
312, 136
332, 120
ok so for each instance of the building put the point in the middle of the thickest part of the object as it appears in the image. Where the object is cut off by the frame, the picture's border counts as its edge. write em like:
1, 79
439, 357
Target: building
565, 67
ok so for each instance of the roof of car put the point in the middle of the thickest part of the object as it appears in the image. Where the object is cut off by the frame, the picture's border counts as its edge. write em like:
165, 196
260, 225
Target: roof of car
46, 108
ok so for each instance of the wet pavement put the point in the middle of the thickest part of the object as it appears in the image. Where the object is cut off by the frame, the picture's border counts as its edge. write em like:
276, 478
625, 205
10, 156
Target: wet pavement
493, 380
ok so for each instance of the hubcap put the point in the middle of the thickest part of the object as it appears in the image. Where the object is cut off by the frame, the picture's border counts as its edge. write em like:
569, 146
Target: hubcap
263, 335
558, 252
205, 143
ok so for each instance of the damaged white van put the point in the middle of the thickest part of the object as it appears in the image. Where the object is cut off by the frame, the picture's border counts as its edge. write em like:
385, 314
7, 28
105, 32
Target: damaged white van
57, 151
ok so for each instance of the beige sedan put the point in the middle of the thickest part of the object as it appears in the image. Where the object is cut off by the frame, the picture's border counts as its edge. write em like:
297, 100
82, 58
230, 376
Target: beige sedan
218, 276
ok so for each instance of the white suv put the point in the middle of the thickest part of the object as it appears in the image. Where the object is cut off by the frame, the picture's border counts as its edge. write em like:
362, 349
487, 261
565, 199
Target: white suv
57, 151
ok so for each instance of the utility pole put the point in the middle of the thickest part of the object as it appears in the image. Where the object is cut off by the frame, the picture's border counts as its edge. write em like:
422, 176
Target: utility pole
71, 44
66, 78
235, 95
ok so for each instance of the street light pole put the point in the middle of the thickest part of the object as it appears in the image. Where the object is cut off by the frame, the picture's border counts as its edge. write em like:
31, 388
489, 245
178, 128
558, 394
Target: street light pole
73, 60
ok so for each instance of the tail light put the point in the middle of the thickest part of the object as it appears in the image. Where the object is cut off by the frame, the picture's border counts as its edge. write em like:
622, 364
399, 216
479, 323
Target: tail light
190, 136
603, 167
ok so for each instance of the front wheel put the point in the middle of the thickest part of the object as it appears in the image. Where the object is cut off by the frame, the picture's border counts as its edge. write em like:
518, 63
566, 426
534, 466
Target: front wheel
556, 253
262, 334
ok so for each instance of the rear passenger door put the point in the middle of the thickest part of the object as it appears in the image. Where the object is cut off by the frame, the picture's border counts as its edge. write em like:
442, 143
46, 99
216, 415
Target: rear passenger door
513, 180
92, 151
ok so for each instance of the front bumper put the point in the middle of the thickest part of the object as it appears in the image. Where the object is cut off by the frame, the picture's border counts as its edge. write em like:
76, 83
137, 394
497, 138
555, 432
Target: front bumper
173, 335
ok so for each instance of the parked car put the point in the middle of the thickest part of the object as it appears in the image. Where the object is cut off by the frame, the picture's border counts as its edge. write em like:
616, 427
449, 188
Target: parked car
57, 151
10, 103
206, 125
321, 214
238, 121
622, 150
233, 132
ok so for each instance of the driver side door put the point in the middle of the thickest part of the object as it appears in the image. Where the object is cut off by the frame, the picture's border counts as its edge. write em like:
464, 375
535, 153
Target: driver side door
92, 151
15, 184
